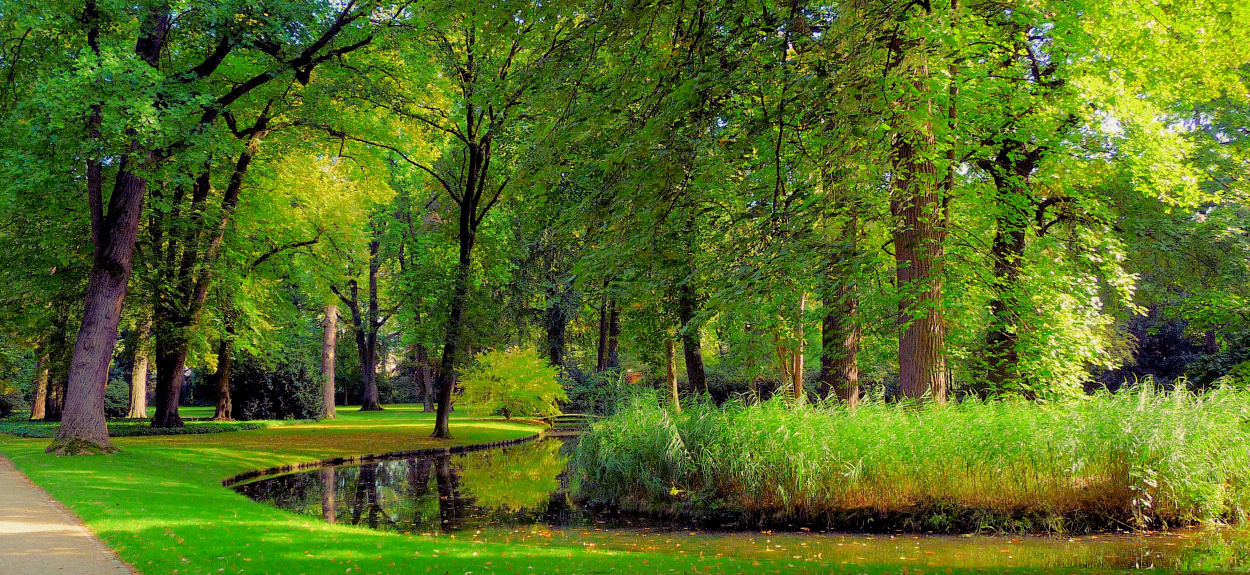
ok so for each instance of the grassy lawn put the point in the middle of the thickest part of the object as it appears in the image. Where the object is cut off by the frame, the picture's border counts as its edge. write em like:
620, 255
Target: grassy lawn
161, 505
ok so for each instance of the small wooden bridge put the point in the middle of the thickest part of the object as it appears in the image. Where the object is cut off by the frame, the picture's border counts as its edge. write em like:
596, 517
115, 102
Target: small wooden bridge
569, 424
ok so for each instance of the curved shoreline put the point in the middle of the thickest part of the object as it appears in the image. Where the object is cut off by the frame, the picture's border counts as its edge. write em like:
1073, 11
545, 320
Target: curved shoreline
353, 459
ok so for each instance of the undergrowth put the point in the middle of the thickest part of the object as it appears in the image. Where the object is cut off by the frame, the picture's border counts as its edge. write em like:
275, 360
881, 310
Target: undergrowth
1141, 460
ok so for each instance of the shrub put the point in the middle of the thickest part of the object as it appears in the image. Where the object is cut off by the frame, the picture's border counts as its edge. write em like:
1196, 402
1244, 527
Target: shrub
7, 405
598, 393
1232, 362
116, 398
1143, 458
510, 382
285, 391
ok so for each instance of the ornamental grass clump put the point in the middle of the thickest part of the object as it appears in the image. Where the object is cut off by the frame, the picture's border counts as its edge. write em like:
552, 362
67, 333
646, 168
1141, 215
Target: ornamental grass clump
1145, 459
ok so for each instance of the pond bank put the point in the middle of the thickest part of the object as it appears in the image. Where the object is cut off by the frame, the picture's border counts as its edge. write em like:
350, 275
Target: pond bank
520, 496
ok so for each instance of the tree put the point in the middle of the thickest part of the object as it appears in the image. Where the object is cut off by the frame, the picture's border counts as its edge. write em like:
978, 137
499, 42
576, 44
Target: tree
514, 381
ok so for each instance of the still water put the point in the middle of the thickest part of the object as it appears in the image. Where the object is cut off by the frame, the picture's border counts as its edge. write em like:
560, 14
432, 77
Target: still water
520, 494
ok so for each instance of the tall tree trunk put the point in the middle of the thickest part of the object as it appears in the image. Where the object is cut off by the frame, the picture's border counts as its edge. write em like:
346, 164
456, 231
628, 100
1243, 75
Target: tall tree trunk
175, 313
601, 359
38, 404
670, 372
52, 408
82, 420
328, 505
919, 233
329, 340
83, 429
557, 320
690, 344
58, 373
840, 333
1002, 357
451, 343
225, 355
614, 335
137, 406
1011, 169
171, 360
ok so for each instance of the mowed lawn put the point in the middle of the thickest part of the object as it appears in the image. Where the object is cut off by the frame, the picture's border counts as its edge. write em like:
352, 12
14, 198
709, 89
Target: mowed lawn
160, 504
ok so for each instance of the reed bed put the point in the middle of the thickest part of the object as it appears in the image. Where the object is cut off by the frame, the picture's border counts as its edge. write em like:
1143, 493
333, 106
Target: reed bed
1140, 460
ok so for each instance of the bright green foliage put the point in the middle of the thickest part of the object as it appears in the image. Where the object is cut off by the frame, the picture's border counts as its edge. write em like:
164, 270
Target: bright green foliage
513, 381
1146, 458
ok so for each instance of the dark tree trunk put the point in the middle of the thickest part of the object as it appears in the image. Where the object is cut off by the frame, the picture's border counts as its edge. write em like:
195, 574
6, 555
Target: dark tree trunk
329, 340
366, 323
1002, 358
557, 321
690, 344
171, 360
451, 343
614, 335
137, 406
82, 422
176, 312
38, 403
58, 372
1011, 169
840, 333
601, 356
56, 396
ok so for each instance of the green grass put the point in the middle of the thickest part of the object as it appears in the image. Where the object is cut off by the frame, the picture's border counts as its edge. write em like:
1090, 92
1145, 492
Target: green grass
197, 420
135, 427
160, 504
1134, 460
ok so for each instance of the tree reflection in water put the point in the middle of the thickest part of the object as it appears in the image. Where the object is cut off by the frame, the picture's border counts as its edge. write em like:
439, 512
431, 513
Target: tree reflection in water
523, 483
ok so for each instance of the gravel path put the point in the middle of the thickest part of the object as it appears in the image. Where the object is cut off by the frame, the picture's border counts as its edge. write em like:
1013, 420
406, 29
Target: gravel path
38, 535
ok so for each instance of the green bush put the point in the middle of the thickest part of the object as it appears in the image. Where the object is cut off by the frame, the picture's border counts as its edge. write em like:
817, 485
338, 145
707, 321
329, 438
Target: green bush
7, 405
1232, 362
598, 393
515, 381
1145, 458
285, 391
117, 398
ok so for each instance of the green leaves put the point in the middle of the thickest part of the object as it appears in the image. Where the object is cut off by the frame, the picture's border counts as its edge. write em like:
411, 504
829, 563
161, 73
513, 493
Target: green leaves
512, 382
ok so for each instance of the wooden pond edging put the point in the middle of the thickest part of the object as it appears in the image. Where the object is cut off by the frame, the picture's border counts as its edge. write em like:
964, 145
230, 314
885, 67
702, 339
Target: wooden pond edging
357, 459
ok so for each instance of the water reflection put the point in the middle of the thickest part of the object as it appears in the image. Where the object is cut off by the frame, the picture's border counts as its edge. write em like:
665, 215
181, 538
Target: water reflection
521, 494
520, 484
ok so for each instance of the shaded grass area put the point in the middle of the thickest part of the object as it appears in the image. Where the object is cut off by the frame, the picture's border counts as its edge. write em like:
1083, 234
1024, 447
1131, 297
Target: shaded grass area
135, 427
197, 420
1134, 460
160, 504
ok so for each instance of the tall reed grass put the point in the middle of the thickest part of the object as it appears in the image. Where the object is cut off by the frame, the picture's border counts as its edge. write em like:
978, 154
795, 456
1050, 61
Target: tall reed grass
1145, 459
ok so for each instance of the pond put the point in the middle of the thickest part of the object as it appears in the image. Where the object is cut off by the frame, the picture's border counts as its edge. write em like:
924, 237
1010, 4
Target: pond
520, 494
